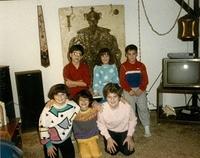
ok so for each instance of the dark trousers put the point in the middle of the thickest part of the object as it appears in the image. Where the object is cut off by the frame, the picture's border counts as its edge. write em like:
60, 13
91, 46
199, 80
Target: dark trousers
119, 139
66, 148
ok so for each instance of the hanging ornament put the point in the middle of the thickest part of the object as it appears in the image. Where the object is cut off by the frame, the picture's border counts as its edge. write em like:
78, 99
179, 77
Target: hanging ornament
69, 18
188, 28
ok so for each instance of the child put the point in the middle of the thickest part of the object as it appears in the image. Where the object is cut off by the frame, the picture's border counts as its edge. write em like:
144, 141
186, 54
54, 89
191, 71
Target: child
76, 74
55, 123
104, 72
134, 80
116, 122
85, 128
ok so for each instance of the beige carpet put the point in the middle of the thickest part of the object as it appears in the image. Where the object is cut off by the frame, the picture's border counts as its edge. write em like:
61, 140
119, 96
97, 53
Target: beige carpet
31, 146
168, 140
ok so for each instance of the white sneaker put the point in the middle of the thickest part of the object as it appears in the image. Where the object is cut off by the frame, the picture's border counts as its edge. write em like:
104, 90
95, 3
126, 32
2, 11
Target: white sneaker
147, 135
147, 132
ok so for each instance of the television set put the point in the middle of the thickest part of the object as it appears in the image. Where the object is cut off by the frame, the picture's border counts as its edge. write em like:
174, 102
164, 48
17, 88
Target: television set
181, 73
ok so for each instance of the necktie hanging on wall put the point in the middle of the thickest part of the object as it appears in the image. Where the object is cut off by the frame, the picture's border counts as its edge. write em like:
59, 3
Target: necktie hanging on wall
44, 54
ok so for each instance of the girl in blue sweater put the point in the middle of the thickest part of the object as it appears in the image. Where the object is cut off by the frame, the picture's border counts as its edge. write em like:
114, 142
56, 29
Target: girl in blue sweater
105, 71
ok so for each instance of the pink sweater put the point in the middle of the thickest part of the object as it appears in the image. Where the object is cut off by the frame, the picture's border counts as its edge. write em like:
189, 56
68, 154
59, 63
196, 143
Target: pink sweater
120, 119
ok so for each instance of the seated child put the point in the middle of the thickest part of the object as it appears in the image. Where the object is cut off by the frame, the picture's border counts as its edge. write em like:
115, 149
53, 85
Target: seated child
55, 123
116, 122
85, 128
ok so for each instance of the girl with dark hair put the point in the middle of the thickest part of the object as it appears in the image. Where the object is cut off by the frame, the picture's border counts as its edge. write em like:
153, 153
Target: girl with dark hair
85, 127
104, 71
55, 123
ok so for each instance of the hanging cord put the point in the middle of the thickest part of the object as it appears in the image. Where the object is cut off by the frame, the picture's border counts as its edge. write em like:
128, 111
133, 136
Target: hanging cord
152, 28
148, 101
139, 32
154, 83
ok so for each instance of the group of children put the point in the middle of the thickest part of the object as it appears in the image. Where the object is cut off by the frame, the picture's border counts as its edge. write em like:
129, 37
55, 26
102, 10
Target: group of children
73, 106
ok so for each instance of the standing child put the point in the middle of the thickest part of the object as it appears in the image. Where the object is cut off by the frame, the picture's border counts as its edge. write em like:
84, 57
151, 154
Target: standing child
116, 122
85, 128
76, 74
55, 123
134, 80
104, 72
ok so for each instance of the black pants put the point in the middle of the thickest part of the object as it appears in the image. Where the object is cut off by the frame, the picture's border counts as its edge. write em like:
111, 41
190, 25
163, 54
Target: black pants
119, 139
66, 148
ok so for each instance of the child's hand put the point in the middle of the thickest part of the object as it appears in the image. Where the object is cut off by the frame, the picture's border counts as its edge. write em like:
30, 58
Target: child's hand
123, 100
95, 94
111, 145
130, 143
131, 92
138, 92
97, 106
50, 103
51, 152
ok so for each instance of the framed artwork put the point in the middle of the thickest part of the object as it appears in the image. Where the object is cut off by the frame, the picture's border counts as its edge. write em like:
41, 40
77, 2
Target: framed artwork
94, 27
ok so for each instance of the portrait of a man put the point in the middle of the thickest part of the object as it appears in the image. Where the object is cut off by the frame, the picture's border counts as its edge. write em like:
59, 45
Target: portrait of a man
92, 33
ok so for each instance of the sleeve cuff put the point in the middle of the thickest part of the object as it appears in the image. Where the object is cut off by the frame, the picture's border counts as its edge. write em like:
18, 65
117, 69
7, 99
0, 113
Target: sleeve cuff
49, 145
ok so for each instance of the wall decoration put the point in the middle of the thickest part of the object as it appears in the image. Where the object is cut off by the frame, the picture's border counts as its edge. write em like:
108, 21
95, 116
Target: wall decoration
44, 54
94, 27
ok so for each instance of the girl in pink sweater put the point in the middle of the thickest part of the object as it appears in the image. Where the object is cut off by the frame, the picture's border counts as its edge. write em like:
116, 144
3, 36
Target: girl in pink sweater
116, 122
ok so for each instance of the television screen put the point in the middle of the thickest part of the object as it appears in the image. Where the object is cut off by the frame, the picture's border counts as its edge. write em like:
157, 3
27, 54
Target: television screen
181, 73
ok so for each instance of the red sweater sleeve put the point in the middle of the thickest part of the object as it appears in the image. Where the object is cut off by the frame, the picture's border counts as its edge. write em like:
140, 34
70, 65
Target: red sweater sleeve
66, 72
122, 79
144, 80
86, 75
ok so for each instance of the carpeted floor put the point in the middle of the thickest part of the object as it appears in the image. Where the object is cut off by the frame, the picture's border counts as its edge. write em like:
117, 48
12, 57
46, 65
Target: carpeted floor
168, 140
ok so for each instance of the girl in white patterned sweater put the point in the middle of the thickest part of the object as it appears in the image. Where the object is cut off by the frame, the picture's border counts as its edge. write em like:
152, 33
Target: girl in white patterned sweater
55, 123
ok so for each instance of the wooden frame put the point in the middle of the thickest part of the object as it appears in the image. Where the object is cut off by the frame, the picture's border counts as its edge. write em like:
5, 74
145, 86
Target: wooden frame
3, 120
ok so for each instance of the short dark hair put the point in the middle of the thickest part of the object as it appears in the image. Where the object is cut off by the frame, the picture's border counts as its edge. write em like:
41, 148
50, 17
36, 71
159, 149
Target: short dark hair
84, 94
104, 51
131, 47
58, 88
76, 47
112, 88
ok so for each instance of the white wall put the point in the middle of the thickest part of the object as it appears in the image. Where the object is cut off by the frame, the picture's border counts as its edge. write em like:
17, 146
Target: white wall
19, 40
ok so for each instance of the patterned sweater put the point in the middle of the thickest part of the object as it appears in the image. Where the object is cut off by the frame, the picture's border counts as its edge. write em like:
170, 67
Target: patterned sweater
133, 76
84, 125
102, 75
55, 123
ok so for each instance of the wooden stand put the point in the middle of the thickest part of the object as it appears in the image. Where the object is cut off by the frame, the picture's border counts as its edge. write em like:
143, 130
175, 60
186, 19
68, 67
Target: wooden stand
194, 117
12, 132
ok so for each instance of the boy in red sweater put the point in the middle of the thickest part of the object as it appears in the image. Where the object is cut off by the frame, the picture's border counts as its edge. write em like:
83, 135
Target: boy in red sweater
76, 73
134, 79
